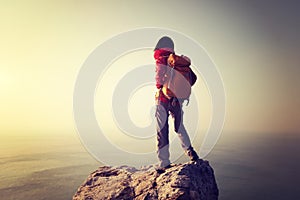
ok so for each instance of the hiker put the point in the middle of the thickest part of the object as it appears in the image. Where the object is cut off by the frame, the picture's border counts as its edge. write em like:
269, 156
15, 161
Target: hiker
169, 100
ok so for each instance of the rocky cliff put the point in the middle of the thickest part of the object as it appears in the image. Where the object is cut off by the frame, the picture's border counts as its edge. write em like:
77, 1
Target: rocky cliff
192, 180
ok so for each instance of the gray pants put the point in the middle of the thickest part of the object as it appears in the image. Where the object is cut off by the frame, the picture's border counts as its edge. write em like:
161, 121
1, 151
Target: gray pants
163, 110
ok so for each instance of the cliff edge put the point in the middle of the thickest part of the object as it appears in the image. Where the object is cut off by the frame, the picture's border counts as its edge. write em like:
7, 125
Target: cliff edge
192, 180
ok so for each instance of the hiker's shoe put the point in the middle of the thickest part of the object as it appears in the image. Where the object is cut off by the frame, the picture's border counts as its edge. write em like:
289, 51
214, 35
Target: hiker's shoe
161, 170
192, 154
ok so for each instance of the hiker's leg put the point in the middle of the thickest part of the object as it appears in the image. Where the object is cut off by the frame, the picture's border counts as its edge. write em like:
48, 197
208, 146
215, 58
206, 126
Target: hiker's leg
182, 133
177, 114
162, 127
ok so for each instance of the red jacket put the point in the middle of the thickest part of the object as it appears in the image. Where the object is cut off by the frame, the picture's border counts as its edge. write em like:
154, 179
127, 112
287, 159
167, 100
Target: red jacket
161, 60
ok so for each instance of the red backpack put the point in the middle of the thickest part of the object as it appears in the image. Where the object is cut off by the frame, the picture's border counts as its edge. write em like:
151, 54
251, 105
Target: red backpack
179, 77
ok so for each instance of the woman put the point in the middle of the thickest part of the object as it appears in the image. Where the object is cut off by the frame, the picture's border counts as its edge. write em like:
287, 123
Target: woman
168, 105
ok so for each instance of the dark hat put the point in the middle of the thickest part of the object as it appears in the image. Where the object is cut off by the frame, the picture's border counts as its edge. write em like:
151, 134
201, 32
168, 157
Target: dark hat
165, 43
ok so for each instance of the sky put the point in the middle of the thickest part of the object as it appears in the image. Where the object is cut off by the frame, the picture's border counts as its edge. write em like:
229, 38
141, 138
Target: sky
255, 45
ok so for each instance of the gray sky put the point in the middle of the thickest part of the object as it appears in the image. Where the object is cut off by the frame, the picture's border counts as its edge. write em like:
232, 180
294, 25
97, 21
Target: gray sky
255, 45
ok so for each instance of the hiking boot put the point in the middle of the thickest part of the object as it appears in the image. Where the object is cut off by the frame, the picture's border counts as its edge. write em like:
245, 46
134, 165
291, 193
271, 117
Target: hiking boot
192, 154
161, 170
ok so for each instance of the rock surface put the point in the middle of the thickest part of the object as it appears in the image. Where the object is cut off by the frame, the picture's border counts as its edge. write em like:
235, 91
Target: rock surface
192, 180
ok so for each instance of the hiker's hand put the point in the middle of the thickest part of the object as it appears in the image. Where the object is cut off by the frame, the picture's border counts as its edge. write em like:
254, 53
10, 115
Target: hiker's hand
157, 93
171, 60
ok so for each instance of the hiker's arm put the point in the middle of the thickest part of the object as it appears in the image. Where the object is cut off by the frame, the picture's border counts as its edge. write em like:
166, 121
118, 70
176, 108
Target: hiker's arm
161, 57
160, 73
179, 61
